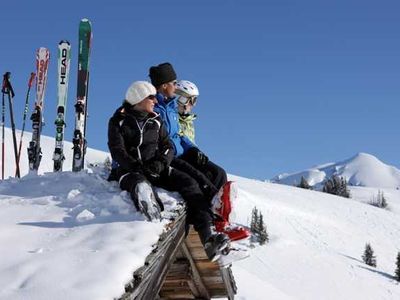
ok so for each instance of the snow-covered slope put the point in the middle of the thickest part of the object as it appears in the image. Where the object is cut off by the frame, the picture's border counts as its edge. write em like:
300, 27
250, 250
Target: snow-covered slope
76, 236
361, 170
316, 243
47, 145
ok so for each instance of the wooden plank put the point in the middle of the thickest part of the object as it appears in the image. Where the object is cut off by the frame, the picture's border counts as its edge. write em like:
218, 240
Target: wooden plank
196, 277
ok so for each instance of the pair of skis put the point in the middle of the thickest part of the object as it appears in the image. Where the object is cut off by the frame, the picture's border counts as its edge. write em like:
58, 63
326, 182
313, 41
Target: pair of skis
79, 141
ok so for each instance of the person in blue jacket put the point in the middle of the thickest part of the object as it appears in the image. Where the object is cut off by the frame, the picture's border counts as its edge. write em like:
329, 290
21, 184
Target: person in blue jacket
163, 77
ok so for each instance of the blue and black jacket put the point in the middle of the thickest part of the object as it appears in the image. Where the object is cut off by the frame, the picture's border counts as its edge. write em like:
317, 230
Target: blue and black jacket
168, 111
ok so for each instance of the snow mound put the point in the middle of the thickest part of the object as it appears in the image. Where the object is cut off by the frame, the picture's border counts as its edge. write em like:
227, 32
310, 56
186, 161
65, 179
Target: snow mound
362, 169
47, 143
65, 235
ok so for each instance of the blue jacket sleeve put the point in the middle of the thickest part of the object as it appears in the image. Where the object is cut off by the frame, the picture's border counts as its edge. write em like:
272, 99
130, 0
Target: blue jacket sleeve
186, 143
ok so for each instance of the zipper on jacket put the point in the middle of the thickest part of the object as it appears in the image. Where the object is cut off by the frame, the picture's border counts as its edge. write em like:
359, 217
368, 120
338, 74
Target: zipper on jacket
141, 129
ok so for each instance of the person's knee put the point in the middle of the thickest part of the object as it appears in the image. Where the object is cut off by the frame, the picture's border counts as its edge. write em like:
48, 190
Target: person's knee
128, 181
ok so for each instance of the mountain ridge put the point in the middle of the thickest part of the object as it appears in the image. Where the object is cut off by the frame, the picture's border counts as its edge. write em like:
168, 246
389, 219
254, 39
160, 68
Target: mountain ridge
362, 169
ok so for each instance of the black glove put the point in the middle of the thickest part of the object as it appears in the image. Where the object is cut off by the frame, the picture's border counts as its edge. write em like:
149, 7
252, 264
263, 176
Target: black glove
153, 168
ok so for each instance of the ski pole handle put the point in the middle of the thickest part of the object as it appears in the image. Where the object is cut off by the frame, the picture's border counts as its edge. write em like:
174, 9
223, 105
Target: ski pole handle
6, 76
7, 88
31, 79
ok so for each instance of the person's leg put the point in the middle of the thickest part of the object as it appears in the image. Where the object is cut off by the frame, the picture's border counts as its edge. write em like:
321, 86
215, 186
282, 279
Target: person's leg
215, 173
199, 213
212, 171
204, 182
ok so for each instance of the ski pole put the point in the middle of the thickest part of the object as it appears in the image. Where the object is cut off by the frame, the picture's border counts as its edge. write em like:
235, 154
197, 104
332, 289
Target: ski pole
3, 112
10, 92
30, 82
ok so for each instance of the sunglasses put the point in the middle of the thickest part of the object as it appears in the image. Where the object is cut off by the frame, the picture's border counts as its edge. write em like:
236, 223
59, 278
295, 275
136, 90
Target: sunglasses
185, 100
151, 97
174, 83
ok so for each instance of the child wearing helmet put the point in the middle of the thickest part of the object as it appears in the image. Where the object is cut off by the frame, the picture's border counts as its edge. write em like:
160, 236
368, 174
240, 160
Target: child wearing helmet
175, 101
187, 94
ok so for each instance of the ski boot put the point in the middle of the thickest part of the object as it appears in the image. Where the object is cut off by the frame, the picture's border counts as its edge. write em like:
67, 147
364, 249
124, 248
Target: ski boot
215, 245
146, 201
233, 231
222, 208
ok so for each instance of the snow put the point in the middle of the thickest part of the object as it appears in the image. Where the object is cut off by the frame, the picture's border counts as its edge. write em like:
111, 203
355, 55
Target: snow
316, 243
47, 145
361, 170
76, 236
69, 236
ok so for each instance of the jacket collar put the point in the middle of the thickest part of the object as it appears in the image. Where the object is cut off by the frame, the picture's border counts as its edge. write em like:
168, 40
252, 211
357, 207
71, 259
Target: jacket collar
164, 101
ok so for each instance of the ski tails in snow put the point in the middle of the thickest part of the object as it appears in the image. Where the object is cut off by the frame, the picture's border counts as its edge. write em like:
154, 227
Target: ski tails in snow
34, 150
79, 139
26, 108
64, 59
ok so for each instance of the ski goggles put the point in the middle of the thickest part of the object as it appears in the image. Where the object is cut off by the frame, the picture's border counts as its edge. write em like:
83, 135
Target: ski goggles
187, 100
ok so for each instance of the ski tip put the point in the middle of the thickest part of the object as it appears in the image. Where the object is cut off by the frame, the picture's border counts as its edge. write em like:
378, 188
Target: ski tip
64, 42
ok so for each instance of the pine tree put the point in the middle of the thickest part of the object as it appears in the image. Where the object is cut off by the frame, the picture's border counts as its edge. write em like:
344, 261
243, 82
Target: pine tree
379, 201
258, 227
262, 230
254, 220
382, 200
368, 256
337, 186
304, 184
107, 163
397, 272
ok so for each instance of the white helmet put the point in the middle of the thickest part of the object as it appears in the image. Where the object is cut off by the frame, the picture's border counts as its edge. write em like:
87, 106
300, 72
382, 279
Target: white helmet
187, 89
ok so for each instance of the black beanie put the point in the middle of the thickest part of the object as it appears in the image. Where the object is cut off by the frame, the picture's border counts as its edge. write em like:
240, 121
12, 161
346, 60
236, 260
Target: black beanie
161, 74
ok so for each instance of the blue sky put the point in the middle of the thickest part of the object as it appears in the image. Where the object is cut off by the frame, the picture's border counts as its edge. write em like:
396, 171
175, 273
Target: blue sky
284, 84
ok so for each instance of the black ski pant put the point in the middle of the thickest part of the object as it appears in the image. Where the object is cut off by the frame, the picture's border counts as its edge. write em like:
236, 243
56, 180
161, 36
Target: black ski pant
212, 171
198, 206
208, 187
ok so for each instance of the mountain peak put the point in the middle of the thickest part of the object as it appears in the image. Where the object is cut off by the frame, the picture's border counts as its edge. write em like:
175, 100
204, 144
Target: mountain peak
362, 169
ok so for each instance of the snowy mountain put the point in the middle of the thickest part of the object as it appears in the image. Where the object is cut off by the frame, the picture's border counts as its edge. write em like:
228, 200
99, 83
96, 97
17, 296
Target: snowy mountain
76, 236
361, 170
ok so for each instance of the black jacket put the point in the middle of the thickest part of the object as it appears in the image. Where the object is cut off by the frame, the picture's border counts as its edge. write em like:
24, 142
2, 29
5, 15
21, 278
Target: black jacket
135, 138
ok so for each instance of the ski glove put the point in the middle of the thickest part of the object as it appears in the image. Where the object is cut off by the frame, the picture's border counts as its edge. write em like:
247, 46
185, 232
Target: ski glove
153, 168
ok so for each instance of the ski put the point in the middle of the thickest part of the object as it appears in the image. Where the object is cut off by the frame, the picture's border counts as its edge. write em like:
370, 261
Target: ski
233, 253
64, 58
34, 150
8, 90
30, 82
79, 139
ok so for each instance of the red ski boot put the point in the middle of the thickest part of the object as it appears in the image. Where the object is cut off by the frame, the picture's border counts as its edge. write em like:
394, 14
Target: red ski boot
222, 207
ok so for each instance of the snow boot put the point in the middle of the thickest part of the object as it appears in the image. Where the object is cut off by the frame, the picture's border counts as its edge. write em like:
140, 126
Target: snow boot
146, 201
215, 245
222, 207
233, 231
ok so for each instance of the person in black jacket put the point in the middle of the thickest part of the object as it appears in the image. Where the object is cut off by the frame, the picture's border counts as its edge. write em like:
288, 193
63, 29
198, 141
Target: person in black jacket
139, 143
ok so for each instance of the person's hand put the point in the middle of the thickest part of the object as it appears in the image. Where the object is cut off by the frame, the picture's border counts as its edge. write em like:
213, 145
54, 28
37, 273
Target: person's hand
153, 168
